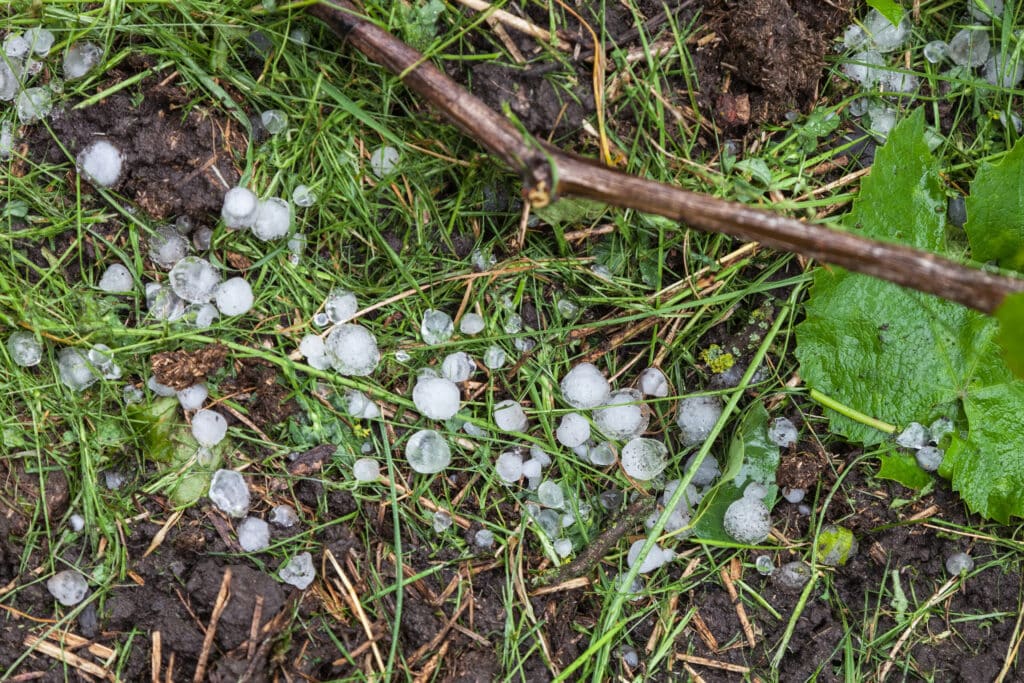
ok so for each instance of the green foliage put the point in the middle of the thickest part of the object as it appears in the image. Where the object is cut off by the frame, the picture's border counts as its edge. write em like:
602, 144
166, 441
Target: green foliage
421, 23
902, 356
903, 468
890, 9
995, 211
1011, 332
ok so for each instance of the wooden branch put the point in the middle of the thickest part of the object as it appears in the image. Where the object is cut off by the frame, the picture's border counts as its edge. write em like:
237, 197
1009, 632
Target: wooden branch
549, 173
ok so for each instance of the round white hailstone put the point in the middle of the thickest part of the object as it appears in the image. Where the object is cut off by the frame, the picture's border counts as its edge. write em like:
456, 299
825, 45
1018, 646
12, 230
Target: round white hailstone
509, 467
436, 397
273, 219
573, 430
209, 427
782, 432
747, 520
959, 563
303, 196
229, 493
15, 46
484, 539
366, 470
655, 558
471, 324
202, 239
585, 387
167, 247
621, 416
755, 489
794, 496
239, 208
33, 104
509, 416
76, 522
550, 495
602, 454
116, 278
340, 305
80, 59
284, 516
274, 120
100, 163
206, 314
383, 161
40, 40
563, 547
707, 472
442, 521
458, 366
984, 10
1004, 72
312, 346
914, 436
76, 372
935, 51
437, 327
653, 382
644, 459
930, 458
697, 416
299, 571
192, 398
494, 357
233, 297
194, 280
360, 406
253, 534
352, 350
531, 468
969, 47
69, 587
26, 351
427, 452
792, 576
764, 565
538, 454
160, 389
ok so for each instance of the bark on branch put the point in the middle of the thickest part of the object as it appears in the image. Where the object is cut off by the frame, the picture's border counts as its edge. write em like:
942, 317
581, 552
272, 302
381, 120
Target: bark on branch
548, 173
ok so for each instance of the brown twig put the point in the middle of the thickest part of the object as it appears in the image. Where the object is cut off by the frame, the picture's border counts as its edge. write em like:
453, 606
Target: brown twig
548, 172
223, 595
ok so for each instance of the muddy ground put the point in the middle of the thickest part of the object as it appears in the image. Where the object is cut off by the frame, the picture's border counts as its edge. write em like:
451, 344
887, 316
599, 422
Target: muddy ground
762, 59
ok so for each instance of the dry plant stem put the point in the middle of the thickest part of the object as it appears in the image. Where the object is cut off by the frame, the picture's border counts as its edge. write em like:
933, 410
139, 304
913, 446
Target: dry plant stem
548, 172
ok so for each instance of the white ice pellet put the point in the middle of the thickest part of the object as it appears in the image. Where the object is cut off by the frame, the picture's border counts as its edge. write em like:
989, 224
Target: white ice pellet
194, 280
563, 547
299, 571
865, 67
360, 406
68, 587
352, 350
755, 489
26, 351
656, 557
100, 163
9, 83
229, 493
76, 372
427, 452
167, 247
509, 416
193, 397
253, 534
233, 296
383, 161
471, 324
644, 459
160, 389
312, 346
573, 430
792, 576
696, 417
239, 208
484, 539
80, 60
1004, 71
782, 432
622, 416
794, 496
34, 104
653, 382
930, 458
531, 468
436, 397
436, 327
274, 120
959, 563
284, 516
76, 522
747, 520
882, 119
509, 467
16, 46
550, 494
273, 219
602, 454
458, 366
969, 47
366, 470
209, 427
40, 40
116, 278
341, 305
585, 387
494, 357
914, 436
984, 10
202, 239
303, 196
441, 521
6, 140
205, 316
883, 34
935, 51
538, 454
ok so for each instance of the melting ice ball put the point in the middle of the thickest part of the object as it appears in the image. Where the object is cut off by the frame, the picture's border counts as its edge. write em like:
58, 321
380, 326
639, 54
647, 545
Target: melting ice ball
239, 208
458, 366
383, 161
509, 416
747, 520
436, 397
621, 416
366, 470
969, 47
437, 327
782, 432
655, 558
298, 571
427, 452
209, 427
585, 387
509, 467
167, 247
233, 297
471, 323
352, 350
76, 372
25, 349
229, 493
644, 459
34, 104
573, 430
697, 416
100, 162
959, 563
117, 278
253, 534
340, 305
80, 60
68, 587
653, 382
273, 219
194, 279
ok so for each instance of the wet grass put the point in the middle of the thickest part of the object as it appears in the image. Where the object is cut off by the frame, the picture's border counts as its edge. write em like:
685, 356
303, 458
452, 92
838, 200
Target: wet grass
445, 230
